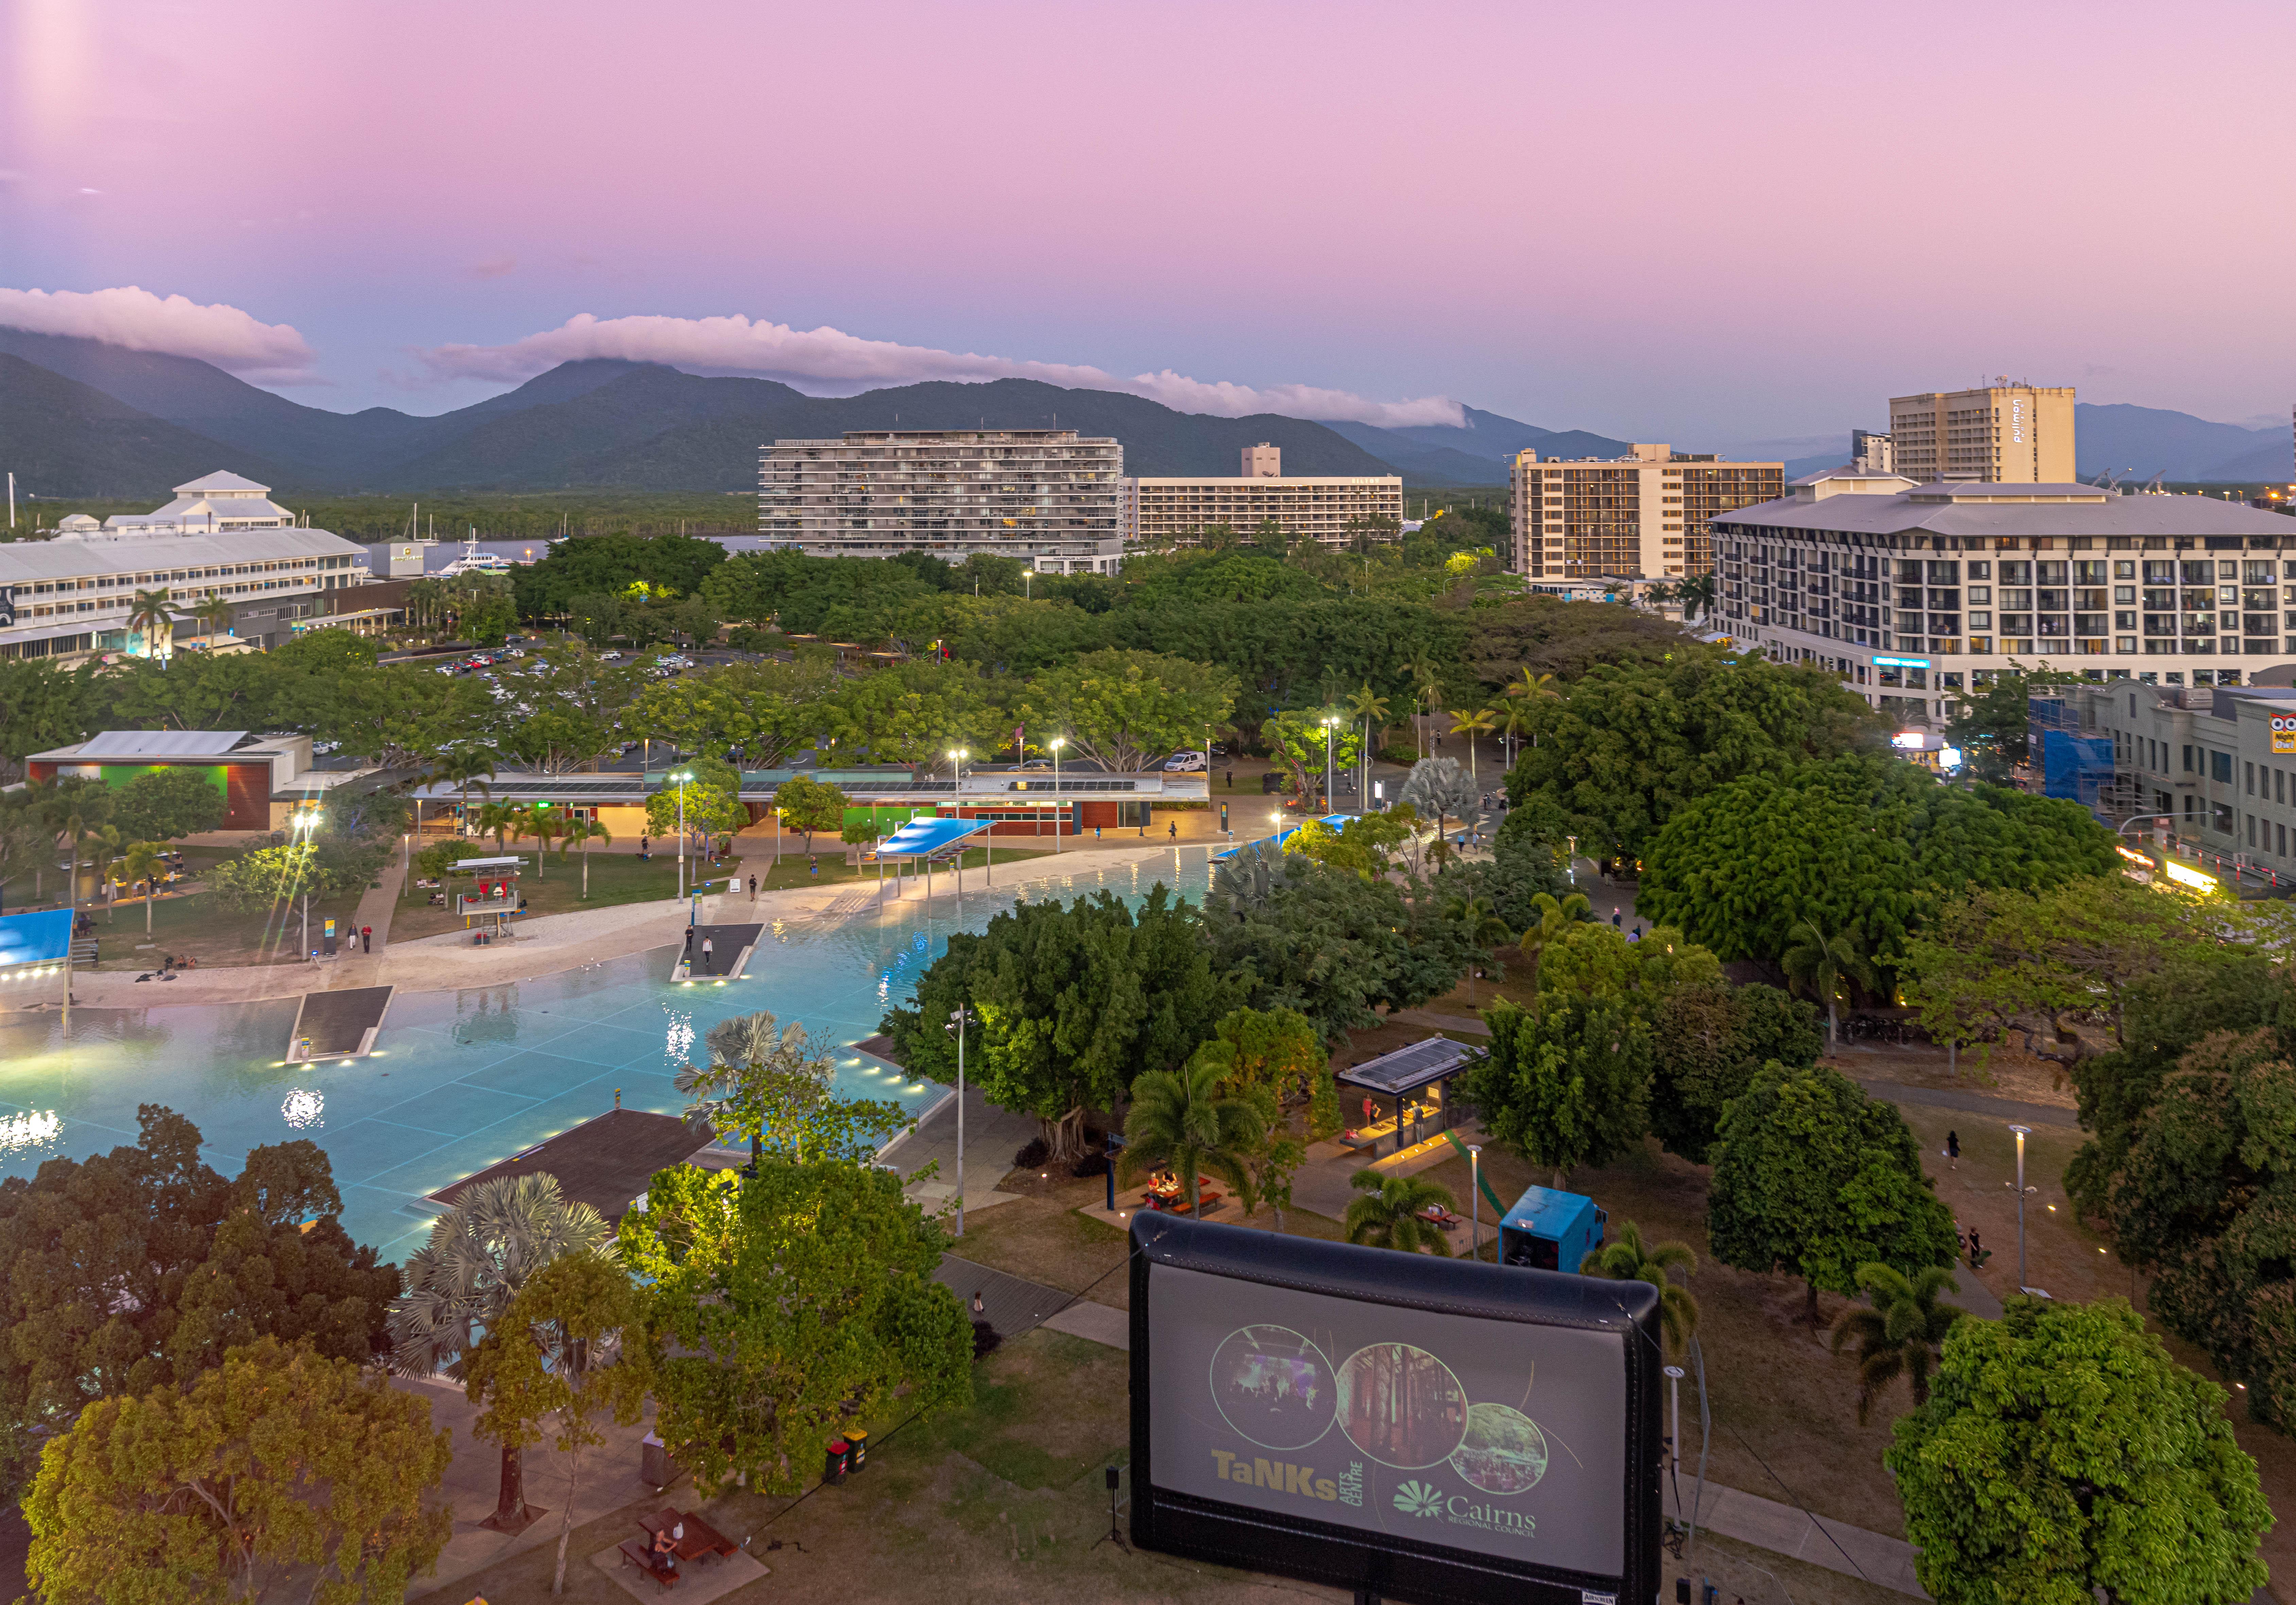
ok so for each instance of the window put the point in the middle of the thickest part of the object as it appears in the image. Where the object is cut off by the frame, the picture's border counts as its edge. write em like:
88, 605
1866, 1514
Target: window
2220, 819
2280, 785
2247, 778
2252, 830
2188, 760
2220, 767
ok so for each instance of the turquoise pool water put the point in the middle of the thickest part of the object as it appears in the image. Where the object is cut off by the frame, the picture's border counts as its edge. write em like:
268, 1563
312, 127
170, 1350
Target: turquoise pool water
462, 1079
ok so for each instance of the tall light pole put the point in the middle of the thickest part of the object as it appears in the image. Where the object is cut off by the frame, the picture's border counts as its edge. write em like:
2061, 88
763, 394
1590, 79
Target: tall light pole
1475, 1196
1059, 806
2022, 1132
958, 1018
681, 777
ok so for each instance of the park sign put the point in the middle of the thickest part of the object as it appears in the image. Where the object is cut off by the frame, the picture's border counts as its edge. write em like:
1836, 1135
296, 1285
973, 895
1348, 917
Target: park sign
1415, 1428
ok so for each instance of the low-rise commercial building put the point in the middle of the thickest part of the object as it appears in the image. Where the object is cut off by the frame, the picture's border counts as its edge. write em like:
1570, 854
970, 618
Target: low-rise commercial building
878, 493
70, 596
1914, 592
1648, 515
245, 769
1332, 510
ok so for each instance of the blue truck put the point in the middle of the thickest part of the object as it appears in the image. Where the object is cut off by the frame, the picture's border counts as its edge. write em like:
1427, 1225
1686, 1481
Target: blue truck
1551, 1231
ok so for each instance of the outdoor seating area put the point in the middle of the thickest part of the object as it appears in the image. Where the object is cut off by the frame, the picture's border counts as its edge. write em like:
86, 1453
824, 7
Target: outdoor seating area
672, 1538
1165, 1192
1402, 1098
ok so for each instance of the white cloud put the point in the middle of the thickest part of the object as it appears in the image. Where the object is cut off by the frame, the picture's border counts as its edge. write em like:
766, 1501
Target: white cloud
826, 357
143, 322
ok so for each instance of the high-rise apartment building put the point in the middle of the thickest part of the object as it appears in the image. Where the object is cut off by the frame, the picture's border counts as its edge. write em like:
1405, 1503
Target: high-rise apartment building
1872, 451
875, 493
1331, 509
1644, 515
1916, 593
2004, 434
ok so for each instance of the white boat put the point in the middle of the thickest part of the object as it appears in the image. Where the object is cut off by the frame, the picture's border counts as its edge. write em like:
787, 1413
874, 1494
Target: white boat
475, 561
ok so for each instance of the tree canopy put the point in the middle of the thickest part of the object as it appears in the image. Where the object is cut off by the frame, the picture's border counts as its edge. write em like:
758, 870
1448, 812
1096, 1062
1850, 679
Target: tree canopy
1814, 1178
1126, 709
778, 1305
1630, 746
1565, 1086
161, 804
2062, 1452
1709, 1040
1859, 844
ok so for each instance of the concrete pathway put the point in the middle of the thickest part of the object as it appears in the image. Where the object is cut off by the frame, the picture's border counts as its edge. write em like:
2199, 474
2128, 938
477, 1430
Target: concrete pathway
1007, 1303
1786, 1530
2004, 1110
992, 1136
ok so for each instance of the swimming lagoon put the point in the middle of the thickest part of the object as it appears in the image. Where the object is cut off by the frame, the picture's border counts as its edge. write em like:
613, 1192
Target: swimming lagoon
459, 1080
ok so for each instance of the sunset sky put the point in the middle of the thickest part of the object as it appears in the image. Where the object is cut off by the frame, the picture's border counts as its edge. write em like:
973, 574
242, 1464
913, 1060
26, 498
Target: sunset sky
1709, 224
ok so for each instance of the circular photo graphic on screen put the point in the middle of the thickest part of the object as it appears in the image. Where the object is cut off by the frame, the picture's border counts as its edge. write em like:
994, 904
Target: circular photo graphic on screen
1503, 1451
1274, 1387
1401, 1406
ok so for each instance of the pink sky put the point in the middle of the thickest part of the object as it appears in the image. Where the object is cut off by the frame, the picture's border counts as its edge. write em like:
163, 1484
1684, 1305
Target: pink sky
1697, 222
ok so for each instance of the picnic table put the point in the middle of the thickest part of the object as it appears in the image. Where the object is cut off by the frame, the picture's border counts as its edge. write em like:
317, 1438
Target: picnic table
1171, 1196
701, 1540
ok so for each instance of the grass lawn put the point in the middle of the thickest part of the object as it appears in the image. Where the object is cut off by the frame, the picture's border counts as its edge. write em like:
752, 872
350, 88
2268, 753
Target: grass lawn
195, 926
554, 888
1002, 1501
1040, 1236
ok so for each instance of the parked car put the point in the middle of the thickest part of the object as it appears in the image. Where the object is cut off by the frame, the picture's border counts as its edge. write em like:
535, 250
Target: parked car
1184, 763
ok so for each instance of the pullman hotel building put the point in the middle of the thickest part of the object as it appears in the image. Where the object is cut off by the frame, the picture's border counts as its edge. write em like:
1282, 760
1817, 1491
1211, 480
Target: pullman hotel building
1914, 592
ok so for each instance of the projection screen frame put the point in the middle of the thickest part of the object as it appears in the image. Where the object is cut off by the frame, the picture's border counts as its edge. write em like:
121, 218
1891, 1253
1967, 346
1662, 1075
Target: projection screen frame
1383, 1564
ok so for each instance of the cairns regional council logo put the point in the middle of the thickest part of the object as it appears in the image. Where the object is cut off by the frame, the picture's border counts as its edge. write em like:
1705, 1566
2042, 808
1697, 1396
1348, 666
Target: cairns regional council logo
1416, 1498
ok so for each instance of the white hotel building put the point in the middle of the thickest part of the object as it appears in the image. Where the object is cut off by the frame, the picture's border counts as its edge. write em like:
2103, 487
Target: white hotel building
70, 596
1914, 592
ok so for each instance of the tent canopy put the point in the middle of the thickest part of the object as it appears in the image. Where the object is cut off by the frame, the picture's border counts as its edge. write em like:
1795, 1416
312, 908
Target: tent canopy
39, 937
928, 838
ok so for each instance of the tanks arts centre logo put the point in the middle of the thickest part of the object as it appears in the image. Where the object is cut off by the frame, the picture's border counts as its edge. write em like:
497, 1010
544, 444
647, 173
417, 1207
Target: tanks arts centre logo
1417, 1498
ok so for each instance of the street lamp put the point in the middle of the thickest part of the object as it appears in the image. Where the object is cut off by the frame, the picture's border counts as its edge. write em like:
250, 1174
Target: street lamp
1056, 743
958, 1018
1328, 776
1475, 1196
2022, 1132
681, 776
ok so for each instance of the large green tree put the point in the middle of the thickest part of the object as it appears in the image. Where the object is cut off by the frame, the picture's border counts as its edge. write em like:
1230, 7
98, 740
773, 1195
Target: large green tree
1814, 1179
40, 707
917, 714
1071, 1003
138, 1268
1708, 1040
711, 800
161, 804
1327, 943
1630, 745
1127, 709
680, 563
779, 1307
1566, 1086
809, 807
1866, 846
2064, 1457
281, 1471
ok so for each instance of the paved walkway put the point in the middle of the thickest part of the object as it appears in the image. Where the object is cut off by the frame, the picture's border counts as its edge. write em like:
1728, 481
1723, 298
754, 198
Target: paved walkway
1786, 1530
2004, 1110
992, 1136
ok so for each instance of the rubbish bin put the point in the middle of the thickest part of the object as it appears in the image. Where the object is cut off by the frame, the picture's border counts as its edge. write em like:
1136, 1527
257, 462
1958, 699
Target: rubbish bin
655, 1467
860, 1441
841, 1461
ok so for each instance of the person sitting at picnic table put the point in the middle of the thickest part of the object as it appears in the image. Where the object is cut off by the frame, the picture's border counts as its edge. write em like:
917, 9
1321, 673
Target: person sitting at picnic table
664, 1552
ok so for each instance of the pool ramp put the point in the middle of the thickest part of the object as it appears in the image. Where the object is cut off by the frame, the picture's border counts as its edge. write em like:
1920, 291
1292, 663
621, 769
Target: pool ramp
606, 1162
730, 947
338, 1025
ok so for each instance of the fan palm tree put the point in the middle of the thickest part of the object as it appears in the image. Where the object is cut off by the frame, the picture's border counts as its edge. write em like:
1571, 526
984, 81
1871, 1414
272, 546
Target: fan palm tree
459, 1283
151, 615
1427, 687
1368, 706
1822, 963
582, 833
498, 820
1900, 1333
1628, 1258
1389, 1214
761, 1073
1181, 1121
466, 766
1556, 916
1530, 690
142, 861
1471, 723
546, 825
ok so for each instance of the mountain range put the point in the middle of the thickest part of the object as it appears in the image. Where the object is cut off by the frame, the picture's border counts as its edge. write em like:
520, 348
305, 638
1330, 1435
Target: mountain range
79, 418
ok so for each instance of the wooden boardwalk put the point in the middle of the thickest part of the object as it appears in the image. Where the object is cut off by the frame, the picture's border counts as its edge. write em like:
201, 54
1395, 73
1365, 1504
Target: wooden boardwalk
606, 1162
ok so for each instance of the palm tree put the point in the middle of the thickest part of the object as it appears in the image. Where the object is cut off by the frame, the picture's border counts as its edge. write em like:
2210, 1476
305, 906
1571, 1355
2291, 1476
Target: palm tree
1389, 1214
763, 1074
466, 766
498, 820
1368, 706
1628, 1258
1901, 1334
1696, 596
151, 616
583, 831
1532, 690
1659, 594
459, 1283
212, 614
546, 825
1427, 686
1471, 723
1476, 915
1181, 1121
1436, 790
1511, 716
1821, 963
1556, 916
142, 861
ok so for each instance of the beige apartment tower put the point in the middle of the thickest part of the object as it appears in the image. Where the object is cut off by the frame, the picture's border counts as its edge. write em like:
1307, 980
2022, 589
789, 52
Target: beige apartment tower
1643, 515
1331, 511
1263, 461
2004, 434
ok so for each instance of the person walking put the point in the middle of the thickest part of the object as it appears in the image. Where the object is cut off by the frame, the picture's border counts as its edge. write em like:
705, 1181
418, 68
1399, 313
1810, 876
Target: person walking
366, 938
1953, 1151
1173, 829
1618, 920
753, 888
816, 862
708, 948
1976, 1250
